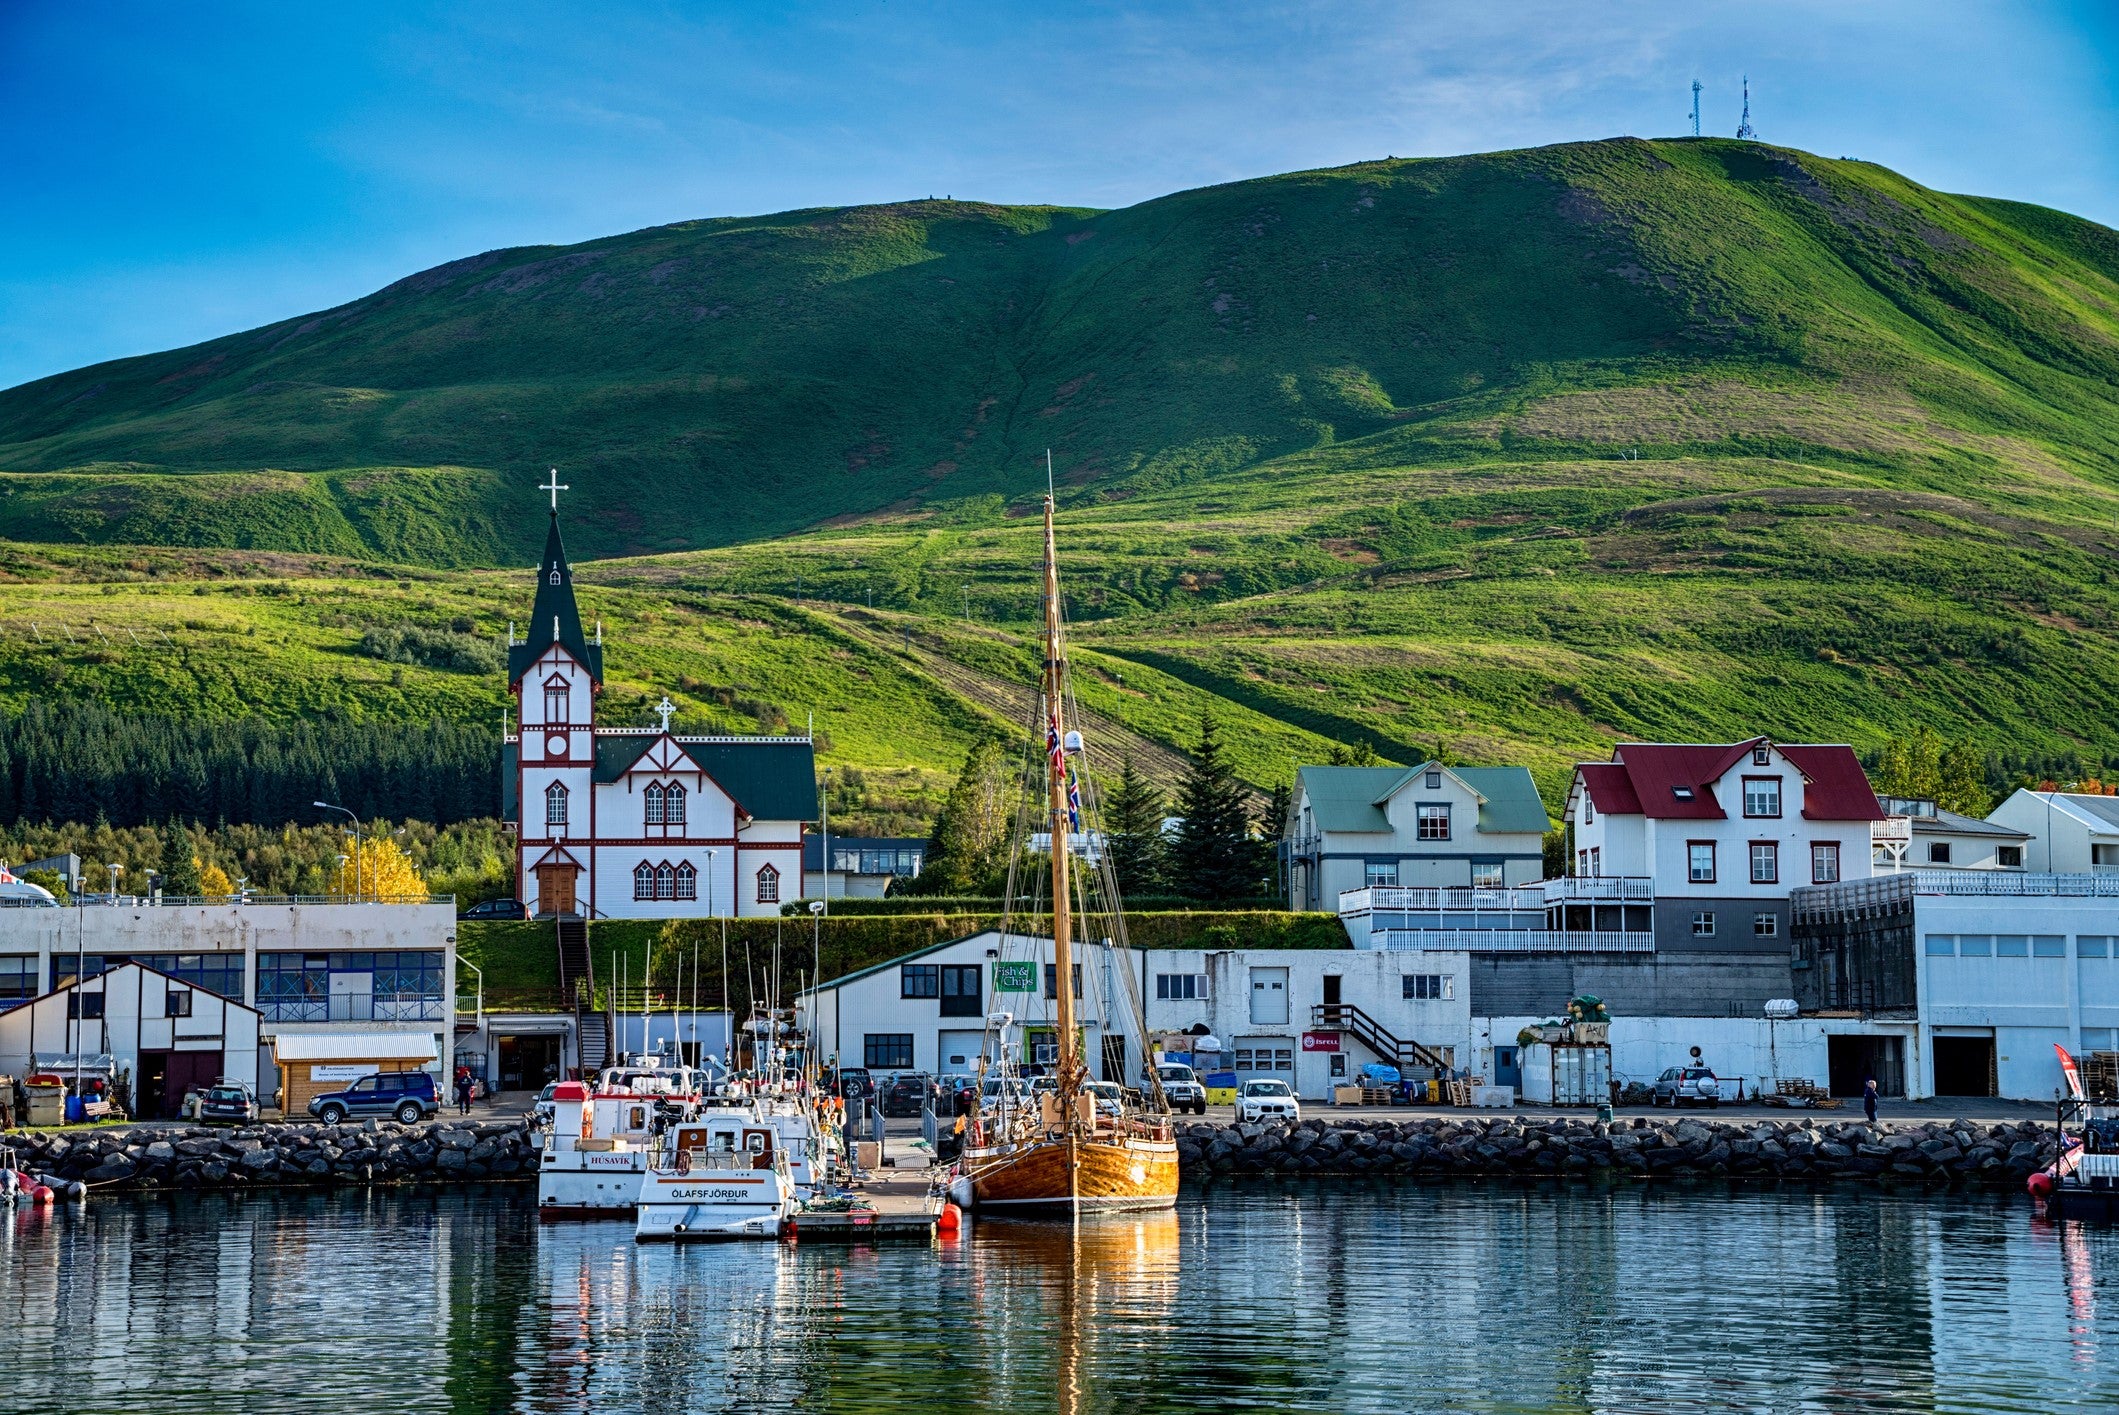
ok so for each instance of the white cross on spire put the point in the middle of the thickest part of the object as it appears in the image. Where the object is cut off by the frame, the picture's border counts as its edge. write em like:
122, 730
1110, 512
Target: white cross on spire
665, 707
555, 486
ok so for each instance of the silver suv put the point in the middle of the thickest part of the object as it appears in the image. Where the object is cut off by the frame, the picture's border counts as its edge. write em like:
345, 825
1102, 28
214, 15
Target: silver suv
1686, 1085
1182, 1088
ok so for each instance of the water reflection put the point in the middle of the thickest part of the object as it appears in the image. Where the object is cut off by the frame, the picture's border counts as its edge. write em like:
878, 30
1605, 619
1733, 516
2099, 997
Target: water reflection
1340, 1298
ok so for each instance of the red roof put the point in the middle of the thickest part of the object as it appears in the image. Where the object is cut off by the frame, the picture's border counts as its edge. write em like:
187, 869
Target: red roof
1646, 778
1835, 788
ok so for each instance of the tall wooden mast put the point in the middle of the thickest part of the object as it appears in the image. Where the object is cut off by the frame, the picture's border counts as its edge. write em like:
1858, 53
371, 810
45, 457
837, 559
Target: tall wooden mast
1070, 1064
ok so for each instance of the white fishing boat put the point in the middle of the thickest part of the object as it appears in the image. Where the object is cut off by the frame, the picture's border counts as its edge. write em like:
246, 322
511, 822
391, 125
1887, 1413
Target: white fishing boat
724, 1175
601, 1140
594, 1154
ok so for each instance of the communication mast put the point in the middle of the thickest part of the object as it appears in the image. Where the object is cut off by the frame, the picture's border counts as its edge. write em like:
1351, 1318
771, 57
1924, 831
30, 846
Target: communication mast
1744, 131
1695, 107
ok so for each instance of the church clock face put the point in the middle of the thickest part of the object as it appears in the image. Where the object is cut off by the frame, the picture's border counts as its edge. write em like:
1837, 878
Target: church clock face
555, 745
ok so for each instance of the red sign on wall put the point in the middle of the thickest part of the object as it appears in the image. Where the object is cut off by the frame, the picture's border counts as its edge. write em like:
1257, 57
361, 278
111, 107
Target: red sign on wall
1320, 1041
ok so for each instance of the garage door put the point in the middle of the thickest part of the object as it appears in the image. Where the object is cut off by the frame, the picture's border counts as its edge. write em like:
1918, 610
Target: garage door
958, 1052
1265, 1059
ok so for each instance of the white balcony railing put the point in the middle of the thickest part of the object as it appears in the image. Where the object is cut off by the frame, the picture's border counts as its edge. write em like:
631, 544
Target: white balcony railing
1899, 886
1572, 889
1456, 898
1533, 898
1511, 941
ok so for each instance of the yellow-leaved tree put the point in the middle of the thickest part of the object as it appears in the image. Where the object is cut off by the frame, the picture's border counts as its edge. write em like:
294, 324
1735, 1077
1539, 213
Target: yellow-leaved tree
385, 872
214, 883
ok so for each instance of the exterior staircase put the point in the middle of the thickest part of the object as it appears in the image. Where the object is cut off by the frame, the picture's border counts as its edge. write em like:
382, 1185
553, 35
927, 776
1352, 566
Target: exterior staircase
1346, 1018
577, 984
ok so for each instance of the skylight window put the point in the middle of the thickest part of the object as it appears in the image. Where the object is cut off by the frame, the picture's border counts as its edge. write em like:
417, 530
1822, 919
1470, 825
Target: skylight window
1683, 793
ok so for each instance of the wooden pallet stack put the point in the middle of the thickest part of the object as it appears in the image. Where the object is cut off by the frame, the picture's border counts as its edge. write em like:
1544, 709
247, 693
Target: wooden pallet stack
2100, 1075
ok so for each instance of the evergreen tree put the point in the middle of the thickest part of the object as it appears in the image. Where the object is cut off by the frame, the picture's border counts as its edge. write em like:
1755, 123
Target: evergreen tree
180, 862
1360, 754
1133, 832
1214, 855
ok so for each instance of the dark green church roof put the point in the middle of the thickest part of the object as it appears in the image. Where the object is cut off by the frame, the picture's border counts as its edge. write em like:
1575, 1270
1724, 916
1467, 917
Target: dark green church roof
554, 619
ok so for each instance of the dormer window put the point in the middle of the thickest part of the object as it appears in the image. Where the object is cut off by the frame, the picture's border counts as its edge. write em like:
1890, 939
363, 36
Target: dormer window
1762, 756
1683, 793
554, 576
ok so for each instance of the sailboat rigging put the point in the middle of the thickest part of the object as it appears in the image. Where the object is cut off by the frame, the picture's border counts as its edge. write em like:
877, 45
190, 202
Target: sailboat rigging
1077, 1146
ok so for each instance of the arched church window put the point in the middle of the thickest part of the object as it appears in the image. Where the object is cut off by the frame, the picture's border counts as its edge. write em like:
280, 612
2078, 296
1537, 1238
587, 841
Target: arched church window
687, 881
643, 880
654, 804
673, 804
768, 885
555, 804
556, 696
665, 882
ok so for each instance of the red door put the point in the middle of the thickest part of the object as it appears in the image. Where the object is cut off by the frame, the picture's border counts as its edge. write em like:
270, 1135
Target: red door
186, 1070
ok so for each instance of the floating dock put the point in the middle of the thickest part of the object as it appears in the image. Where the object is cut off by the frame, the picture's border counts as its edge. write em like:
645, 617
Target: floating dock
886, 1210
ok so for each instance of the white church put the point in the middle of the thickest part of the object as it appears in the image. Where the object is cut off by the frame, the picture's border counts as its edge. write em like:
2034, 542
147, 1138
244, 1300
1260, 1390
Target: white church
638, 822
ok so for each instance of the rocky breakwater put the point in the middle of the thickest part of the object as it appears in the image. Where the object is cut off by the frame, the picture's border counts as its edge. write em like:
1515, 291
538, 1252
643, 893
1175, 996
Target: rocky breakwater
1939, 1153
254, 1156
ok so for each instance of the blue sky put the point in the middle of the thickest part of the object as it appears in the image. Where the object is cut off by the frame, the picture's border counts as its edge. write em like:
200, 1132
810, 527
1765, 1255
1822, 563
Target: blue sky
173, 172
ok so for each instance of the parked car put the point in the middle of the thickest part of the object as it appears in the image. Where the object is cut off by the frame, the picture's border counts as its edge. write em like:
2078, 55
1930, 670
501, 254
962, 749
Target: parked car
496, 909
542, 1112
855, 1084
227, 1103
960, 1094
1181, 1085
405, 1096
1686, 1085
908, 1092
1266, 1100
1110, 1097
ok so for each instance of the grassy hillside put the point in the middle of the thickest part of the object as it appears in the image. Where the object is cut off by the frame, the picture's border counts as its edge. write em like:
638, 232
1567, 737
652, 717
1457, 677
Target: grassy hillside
1513, 454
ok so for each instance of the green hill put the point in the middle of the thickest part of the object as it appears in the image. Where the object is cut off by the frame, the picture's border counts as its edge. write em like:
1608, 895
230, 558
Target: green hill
1515, 453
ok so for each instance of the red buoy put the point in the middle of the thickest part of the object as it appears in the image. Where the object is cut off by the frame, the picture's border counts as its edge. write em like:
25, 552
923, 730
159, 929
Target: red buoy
2040, 1185
949, 1220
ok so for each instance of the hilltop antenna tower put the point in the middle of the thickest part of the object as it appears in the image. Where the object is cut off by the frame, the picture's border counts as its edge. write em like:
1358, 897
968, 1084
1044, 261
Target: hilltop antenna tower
1744, 131
1695, 107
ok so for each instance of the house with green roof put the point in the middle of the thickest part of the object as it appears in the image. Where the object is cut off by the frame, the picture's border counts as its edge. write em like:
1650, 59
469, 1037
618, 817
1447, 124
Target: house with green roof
1360, 827
637, 822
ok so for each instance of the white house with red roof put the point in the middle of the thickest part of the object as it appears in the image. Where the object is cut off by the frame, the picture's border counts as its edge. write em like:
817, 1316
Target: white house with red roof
1723, 833
638, 822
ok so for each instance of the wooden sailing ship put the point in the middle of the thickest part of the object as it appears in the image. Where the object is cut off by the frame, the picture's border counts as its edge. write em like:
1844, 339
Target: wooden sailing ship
1069, 1149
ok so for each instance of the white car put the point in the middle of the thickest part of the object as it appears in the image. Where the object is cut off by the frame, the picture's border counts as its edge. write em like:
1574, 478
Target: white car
1266, 1100
1110, 1097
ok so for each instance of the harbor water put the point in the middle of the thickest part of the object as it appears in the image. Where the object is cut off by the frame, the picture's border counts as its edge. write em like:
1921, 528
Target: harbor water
1342, 1297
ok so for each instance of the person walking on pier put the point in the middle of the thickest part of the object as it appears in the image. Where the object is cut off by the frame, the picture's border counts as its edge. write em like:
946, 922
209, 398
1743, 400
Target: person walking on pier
463, 1090
1868, 1099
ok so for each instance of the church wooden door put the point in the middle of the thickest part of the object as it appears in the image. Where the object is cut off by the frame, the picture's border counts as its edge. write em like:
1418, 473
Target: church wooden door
555, 889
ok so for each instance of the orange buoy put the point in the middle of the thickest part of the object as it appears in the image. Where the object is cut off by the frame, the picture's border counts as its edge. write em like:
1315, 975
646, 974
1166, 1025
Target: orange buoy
949, 1220
41, 1194
2040, 1184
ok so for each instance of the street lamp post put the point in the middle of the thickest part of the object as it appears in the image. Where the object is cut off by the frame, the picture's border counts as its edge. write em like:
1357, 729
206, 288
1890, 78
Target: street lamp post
327, 806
